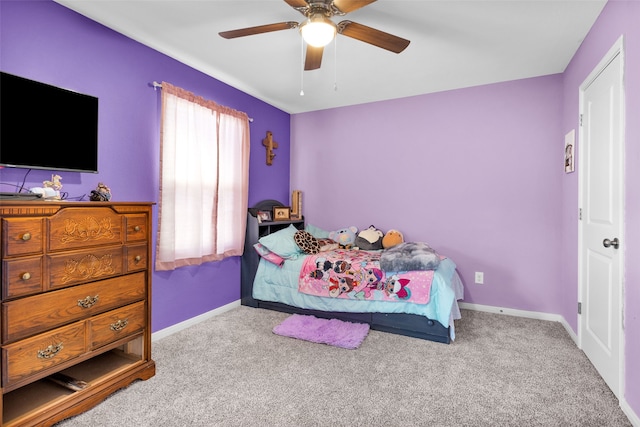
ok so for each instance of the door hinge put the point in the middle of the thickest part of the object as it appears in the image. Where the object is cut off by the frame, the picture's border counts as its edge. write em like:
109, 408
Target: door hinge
580, 214
580, 120
579, 308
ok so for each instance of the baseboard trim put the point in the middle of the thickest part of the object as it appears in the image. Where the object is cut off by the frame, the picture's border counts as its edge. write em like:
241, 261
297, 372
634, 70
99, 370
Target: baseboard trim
633, 417
163, 333
522, 313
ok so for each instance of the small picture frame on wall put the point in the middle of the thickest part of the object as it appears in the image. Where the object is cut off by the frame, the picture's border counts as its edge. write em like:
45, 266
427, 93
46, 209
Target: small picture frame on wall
263, 216
281, 213
569, 151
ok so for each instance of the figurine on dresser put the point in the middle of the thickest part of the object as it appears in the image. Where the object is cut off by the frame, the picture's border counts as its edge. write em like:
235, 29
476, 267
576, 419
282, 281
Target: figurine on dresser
54, 185
102, 193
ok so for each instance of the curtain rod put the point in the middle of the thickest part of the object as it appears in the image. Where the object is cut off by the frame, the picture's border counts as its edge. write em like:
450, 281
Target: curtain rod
157, 85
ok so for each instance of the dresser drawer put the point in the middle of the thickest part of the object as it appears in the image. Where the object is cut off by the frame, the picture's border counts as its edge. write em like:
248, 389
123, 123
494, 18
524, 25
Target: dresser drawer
21, 276
136, 257
136, 227
69, 268
82, 227
113, 325
21, 236
41, 352
32, 315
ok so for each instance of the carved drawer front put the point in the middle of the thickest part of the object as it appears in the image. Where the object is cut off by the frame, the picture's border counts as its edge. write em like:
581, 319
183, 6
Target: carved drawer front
82, 227
136, 257
21, 236
69, 268
136, 227
22, 276
32, 315
43, 351
109, 327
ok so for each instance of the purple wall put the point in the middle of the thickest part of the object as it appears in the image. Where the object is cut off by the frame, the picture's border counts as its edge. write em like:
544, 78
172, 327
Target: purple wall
619, 18
44, 41
477, 173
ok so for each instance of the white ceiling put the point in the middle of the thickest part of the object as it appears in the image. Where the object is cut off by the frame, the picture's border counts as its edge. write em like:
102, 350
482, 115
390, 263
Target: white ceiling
454, 44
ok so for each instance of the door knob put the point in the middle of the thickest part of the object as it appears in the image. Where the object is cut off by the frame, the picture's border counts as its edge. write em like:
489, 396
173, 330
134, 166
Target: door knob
615, 243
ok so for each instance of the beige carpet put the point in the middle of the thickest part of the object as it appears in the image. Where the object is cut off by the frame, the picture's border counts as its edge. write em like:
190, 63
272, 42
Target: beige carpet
231, 370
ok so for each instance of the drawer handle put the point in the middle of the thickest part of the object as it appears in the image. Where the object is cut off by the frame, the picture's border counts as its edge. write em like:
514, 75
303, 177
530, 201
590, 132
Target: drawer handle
136, 228
119, 325
50, 351
137, 258
88, 302
26, 236
26, 276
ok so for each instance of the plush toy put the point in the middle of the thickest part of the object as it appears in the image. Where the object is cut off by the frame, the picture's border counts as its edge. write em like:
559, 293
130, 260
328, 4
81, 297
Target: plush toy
369, 239
392, 238
345, 237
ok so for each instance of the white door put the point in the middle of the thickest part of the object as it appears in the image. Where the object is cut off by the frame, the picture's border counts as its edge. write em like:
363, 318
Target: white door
601, 231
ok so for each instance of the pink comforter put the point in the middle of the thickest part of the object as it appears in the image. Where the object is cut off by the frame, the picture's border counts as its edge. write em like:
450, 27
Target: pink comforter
356, 274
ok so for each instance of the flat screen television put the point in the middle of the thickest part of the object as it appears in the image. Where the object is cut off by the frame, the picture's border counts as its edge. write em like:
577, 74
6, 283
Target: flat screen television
47, 127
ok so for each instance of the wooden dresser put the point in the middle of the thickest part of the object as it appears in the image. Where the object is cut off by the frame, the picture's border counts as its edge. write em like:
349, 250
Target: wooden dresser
76, 300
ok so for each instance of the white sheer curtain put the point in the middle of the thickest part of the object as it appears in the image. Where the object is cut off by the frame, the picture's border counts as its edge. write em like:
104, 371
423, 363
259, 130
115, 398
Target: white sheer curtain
204, 180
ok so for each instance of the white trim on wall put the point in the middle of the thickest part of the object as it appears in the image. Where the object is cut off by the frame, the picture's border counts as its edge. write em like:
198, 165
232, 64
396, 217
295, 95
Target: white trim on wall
463, 305
633, 417
522, 313
163, 333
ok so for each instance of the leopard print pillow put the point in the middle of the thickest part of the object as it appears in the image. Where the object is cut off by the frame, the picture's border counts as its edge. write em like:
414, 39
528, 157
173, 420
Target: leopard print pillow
306, 242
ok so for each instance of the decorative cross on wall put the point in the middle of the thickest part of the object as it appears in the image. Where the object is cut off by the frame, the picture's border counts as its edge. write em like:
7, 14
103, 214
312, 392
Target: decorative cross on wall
270, 145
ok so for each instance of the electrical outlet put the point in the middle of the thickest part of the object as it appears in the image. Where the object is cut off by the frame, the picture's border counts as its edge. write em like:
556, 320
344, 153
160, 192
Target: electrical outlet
479, 277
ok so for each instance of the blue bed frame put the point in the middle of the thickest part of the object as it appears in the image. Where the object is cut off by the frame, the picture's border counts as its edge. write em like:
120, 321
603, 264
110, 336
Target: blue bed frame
397, 323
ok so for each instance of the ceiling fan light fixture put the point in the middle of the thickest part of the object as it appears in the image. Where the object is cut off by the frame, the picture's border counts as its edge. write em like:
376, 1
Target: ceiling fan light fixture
318, 31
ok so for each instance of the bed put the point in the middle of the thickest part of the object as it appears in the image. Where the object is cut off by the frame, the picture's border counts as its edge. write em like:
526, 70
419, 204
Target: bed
292, 283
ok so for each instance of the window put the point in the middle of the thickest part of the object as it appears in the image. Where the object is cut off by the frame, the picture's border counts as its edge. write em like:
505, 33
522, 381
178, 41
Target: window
204, 177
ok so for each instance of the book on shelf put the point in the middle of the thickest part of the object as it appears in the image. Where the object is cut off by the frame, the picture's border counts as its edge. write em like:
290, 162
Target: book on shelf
67, 381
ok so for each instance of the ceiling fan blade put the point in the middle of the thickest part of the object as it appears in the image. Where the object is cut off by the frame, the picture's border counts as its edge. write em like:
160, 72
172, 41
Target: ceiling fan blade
313, 58
296, 3
258, 30
372, 36
347, 6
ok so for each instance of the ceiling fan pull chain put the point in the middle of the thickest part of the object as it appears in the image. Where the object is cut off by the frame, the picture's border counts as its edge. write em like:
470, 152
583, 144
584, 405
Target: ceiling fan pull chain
302, 67
335, 64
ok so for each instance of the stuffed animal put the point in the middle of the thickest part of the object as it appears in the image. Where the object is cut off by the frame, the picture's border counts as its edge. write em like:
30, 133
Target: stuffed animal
345, 237
392, 238
369, 239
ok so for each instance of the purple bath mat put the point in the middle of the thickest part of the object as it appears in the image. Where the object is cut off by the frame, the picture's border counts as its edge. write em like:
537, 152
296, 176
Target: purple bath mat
325, 331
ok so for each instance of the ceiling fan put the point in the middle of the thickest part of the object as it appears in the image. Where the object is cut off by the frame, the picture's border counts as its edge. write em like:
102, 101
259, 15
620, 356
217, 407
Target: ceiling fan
318, 29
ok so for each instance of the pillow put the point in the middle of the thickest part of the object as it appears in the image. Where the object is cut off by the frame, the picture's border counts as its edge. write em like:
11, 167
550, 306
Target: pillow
316, 232
328, 245
306, 242
281, 242
268, 255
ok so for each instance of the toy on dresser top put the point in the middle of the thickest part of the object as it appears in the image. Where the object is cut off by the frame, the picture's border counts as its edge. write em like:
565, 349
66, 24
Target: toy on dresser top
102, 193
50, 190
